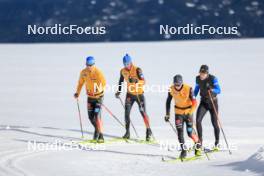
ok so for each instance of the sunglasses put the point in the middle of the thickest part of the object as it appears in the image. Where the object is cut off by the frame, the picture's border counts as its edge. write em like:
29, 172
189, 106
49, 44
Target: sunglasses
89, 65
177, 85
127, 64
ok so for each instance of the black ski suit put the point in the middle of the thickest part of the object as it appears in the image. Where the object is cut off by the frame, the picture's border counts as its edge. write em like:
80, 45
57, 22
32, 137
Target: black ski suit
211, 84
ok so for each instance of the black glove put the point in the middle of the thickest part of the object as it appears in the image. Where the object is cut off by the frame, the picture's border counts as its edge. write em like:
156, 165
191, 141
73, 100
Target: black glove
208, 87
100, 100
76, 95
167, 118
133, 80
117, 94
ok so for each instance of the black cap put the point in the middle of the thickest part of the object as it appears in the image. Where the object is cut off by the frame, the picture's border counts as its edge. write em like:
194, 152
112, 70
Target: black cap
177, 79
204, 69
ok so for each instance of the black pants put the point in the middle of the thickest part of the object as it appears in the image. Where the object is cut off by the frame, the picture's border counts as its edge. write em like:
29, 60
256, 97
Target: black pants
94, 109
130, 100
179, 121
202, 110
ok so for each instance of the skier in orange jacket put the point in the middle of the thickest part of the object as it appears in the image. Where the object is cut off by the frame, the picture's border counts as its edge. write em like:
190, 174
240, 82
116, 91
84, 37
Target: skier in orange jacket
135, 93
185, 105
95, 83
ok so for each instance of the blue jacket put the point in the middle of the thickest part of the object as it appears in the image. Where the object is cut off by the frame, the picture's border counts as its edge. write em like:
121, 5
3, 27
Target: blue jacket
212, 81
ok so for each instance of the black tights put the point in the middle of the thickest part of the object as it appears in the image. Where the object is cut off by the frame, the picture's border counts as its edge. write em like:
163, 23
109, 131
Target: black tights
179, 121
202, 109
130, 100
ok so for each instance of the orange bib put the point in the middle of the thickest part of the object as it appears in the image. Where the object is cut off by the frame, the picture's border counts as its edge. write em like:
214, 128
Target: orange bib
133, 88
183, 103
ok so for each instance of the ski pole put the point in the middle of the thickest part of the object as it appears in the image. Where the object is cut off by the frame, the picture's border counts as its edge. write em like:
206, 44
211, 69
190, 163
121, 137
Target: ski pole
175, 131
145, 116
121, 101
113, 115
219, 122
80, 117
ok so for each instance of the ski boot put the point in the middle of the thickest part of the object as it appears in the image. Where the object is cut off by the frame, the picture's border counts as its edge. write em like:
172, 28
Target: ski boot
100, 138
96, 135
198, 152
148, 134
183, 154
198, 149
216, 148
126, 135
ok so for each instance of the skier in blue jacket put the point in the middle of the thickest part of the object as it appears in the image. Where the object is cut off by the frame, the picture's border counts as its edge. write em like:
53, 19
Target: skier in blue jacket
206, 82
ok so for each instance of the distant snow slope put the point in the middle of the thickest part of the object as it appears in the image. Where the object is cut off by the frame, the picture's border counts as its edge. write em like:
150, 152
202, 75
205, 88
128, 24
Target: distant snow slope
38, 81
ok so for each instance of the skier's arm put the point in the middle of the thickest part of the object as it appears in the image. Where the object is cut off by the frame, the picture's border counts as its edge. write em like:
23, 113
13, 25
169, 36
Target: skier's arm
194, 102
80, 83
121, 80
197, 88
140, 76
216, 89
102, 80
168, 104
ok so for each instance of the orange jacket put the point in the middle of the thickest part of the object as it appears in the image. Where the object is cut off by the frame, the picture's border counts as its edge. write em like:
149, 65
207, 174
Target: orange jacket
184, 101
133, 88
94, 82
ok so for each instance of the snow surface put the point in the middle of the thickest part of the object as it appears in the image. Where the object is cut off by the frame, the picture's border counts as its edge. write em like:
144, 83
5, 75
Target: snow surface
38, 81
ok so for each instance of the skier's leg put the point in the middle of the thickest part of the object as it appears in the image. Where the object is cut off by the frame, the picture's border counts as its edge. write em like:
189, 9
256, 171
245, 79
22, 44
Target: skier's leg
142, 108
189, 127
192, 134
179, 126
90, 107
199, 117
215, 122
97, 115
128, 105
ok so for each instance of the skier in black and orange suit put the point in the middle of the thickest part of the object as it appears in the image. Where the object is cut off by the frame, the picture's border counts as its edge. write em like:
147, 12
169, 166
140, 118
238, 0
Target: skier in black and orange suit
185, 105
95, 83
135, 93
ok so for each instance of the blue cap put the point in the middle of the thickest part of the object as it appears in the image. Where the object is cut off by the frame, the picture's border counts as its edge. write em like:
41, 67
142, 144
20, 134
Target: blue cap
127, 60
90, 60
